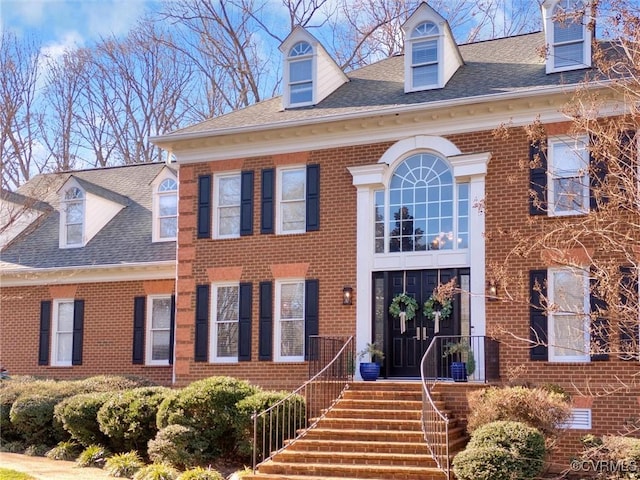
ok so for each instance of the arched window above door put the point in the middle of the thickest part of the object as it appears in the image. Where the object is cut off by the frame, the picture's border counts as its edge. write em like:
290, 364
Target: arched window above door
423, 207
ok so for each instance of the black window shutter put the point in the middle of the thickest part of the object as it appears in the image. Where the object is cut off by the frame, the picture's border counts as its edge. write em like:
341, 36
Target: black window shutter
172, 328
45, 332
204, 206
628, 165
265, 347
267, 204
202, 323
78, 328
538, 179
244, 327
246, 203
597, 175
537, 316
629, 329
311, 317
313, 198
599, 328
139, 304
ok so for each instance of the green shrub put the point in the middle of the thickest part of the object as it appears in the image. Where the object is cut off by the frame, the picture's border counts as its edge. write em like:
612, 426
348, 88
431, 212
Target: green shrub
123, 465
525, 443
485, 463
129, 418
290, 416
539, 408
209, 407
67, 450
14, 446
177, 445
10, 390
110, 383
200, 473
156, 471
79, 416
38, 450
93, 456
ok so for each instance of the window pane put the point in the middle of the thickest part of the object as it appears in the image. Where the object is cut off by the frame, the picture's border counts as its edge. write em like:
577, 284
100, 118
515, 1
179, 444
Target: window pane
300, 71
74, 213
569, 194
168, 227
65, 347
292, 301
569, 291
293, 184
567, 31
229, 193
568, 55
293, 216
65, 317
569, 331
161, 314
227, 343
228, 304
168, 185
301, 93
424, 52
229, 221
425, 75
160, 345
74, 234
292, 338
168, 205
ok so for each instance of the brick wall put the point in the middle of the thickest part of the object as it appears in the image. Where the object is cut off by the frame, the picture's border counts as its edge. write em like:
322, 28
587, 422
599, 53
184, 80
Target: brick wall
107, 334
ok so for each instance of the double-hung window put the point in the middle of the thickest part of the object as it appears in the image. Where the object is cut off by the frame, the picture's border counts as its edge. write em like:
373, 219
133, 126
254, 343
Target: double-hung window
569, 335
301, 74
570, 47
292, 186
167, 198
74, 206
290, 320
227, 195
568, 176
424, 55
158, 335
62, 334
225, 317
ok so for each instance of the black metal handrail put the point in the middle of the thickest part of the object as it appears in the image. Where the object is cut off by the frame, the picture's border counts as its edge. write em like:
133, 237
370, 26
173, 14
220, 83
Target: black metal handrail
289, 419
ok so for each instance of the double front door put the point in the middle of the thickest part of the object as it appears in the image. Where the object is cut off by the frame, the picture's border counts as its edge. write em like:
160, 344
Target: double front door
405, 343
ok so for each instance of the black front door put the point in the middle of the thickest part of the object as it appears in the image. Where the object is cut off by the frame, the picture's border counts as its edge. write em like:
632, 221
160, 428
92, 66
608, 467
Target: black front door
404, 349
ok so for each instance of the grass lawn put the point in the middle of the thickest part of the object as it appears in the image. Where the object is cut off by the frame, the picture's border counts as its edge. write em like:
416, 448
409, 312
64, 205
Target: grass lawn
6, 474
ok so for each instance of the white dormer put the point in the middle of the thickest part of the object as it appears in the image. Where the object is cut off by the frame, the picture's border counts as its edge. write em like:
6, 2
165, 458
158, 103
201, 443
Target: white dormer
310, 74
84, 210
431, 55
567, 34
17, 212
165, 206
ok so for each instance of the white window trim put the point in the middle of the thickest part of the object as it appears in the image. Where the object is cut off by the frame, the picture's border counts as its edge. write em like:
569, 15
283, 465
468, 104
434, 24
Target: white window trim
279, 202
63, 218
439, 59
213, 334
289, 59
148, 329
277, 331
156, 209
551, 165
216, 205
586, 357
586, 42
54, 333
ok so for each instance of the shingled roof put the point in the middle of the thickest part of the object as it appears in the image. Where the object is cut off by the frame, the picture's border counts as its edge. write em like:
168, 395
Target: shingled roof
494, 67
127, 238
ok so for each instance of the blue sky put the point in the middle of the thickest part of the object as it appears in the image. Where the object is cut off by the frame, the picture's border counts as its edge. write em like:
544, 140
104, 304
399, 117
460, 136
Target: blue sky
68, 23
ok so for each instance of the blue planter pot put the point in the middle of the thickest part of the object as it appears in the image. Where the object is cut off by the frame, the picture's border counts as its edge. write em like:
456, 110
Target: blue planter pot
459, 371
369, 371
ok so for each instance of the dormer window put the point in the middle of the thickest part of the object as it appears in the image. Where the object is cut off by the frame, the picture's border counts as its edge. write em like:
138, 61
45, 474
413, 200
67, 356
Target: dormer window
424, 55
568, 37
73, 213
166, 211
301, 74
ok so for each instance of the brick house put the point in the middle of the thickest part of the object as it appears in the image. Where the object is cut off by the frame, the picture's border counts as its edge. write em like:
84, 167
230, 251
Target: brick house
88, 273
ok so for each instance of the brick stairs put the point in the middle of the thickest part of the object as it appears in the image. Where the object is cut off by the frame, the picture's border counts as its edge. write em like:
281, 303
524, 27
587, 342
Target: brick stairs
374, 432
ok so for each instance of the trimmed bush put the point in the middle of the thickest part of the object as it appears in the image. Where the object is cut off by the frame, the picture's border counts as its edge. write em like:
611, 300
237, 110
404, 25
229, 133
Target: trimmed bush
10, 390
123, 465
93, 456
129, 418
156, 471
485, 463
36, 450
110, 383
64, 451
200, 473
539, 408
209, 407
526, 444
177, 445
288, 423
79, 416
14, 446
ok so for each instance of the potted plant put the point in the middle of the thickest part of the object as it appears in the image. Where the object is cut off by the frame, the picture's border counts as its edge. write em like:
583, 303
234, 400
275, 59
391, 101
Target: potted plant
463, 362
370, 370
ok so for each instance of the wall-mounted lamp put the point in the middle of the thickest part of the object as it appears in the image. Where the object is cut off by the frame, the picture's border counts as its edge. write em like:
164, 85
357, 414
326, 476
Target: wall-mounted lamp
347, 296
492, 290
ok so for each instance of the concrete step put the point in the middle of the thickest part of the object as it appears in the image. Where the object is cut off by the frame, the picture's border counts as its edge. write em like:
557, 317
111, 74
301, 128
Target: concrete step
321, 470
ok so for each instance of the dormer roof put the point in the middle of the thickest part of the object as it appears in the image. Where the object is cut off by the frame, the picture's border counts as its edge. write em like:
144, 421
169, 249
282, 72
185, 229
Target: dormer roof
309, 74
